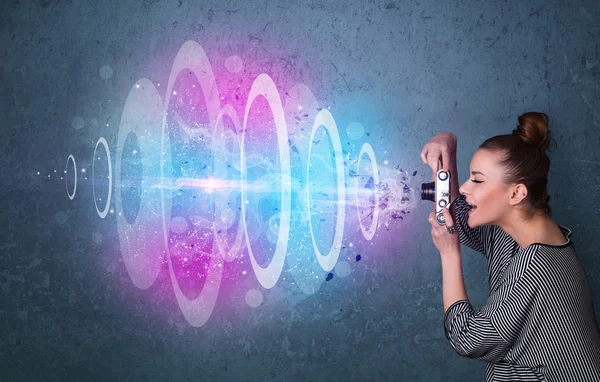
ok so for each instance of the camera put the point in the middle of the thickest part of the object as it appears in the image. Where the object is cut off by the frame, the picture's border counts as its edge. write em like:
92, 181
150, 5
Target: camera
438, 192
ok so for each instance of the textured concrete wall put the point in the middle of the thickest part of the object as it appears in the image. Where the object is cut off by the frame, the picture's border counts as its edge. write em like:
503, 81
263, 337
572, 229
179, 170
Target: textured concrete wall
69, 311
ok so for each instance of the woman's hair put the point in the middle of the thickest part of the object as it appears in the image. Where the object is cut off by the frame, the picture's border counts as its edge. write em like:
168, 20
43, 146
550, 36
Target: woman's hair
525, 159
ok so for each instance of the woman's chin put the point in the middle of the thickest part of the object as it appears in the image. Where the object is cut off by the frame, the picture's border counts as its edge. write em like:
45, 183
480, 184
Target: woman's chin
475, 223
472, 222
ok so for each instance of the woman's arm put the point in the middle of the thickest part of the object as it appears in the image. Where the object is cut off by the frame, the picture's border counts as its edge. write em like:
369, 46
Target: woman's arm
470, 333
489, 333
453, 283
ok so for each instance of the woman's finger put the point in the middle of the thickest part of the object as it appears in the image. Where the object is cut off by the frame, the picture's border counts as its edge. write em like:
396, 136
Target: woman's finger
445, 160
433, 159
448, 217
424, 154
432, 219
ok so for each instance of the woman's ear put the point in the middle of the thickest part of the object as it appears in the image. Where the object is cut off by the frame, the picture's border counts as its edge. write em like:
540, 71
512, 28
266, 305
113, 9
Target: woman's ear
518, 193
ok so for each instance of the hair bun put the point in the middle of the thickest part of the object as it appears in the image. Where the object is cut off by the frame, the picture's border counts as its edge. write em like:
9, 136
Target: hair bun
533, 129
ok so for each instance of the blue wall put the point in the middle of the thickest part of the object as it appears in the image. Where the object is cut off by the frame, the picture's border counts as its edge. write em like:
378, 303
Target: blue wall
68, 309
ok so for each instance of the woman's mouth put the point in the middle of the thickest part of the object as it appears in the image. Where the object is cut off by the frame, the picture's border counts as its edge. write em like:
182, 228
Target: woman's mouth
472, 208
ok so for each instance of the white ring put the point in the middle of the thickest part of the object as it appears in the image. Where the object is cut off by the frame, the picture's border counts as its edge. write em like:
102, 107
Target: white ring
300, 103
219, 170
368, 149
107, 206
75, 171
264, 85
143, 251
325, 119
192, 57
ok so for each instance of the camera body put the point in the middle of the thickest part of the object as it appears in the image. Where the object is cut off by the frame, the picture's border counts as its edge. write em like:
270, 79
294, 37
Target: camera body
438, 192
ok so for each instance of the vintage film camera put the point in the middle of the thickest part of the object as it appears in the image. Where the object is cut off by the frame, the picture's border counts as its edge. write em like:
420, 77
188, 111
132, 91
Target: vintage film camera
438, 192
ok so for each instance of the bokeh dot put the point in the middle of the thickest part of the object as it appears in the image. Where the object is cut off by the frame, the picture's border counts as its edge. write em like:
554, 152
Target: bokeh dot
234, 64
60, 217
355, 130
97, 237
343, 269
77, 123
106, 72
179, 225
254, 298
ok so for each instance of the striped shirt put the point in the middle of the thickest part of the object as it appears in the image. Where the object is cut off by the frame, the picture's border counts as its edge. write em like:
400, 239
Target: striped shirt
538, 323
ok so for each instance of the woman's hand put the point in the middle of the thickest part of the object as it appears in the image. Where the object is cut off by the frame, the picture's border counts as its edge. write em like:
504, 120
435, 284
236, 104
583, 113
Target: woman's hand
447, 243
439, 152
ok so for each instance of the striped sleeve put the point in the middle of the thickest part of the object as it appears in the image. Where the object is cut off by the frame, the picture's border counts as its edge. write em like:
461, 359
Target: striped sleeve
488, 334
478, 239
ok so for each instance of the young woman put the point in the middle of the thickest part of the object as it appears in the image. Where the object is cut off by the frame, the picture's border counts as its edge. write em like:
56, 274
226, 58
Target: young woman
538, 323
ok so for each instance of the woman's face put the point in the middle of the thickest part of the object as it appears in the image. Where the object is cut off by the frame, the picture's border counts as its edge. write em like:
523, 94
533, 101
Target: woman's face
486, 190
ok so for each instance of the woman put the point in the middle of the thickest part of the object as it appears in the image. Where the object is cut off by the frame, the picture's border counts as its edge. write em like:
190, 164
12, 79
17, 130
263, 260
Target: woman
538, 323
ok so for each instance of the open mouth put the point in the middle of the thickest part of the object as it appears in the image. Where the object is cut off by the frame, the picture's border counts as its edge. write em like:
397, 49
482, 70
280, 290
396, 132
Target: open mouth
472, 207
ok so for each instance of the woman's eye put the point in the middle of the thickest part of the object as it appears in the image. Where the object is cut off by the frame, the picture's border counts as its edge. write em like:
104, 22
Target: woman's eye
476, 181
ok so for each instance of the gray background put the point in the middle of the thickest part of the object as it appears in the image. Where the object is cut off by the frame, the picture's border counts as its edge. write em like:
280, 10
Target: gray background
68, 309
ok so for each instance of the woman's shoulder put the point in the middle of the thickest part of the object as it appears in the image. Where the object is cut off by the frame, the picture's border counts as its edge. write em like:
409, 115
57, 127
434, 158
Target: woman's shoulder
555, 237
553, 255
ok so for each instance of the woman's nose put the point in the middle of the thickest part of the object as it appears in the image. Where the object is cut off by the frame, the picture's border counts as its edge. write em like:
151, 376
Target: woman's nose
462, 190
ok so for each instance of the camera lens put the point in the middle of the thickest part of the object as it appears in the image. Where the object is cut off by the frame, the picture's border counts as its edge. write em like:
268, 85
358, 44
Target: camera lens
428, 191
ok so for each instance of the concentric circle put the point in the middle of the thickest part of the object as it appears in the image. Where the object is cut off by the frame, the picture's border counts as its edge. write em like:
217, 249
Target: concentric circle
219, 145
368, 150
264, 86
301, 109
191, 57
71, 157
142, 248
325, 119
104, 212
